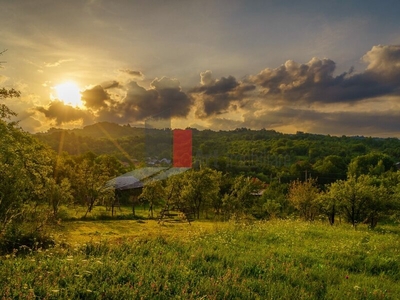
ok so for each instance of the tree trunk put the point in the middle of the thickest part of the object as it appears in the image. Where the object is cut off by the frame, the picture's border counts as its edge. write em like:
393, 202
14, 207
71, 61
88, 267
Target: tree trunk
332, 215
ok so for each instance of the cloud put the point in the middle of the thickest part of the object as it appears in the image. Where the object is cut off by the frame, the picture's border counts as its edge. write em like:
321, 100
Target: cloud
309, 97
110, 84
30, 124
132, 73
217, 96
57, 63
163, 99
95, 97
368, 123
3, 78
315, 82
384, 60
27, 120
63, 113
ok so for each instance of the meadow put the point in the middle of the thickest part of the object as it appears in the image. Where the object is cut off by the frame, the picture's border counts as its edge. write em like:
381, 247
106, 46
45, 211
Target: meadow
140, 259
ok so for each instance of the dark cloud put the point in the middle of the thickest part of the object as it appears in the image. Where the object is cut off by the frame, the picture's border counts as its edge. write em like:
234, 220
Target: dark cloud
216, 96
315, 82
111, 84
371, 123
132, 73
26, 119
95, 97
62, 113
163, 99
291, 95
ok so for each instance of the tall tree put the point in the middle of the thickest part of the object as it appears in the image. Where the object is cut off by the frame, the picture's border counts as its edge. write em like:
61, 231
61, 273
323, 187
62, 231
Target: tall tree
25, 165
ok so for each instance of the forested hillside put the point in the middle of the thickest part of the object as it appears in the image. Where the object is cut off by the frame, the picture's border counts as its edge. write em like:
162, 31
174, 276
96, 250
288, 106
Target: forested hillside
265, 154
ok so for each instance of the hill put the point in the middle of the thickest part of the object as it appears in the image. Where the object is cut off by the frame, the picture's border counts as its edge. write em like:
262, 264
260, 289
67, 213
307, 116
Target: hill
261, 153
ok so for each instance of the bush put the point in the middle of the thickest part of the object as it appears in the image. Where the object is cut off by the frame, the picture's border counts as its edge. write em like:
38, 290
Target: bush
18, 240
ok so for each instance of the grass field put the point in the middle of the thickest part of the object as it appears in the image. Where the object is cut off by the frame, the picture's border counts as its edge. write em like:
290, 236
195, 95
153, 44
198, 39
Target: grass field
140, 259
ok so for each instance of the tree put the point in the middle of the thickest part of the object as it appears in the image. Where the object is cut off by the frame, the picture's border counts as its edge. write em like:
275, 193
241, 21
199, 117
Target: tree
193, 190
242, 196
58, 194
301, 169
330, 169
275, 202
88, 182
200, 189
154, 193
328, 206
375, 163
358, 198
304, 197
25, 165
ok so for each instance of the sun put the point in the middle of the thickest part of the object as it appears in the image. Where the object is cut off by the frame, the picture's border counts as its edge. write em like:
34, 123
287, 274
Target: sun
69, 93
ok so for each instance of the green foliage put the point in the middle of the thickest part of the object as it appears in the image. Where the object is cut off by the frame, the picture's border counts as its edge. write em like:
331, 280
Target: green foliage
304, 197
242, 196
153, 193
200, 189
275, 201
58, 194
359, 198
330, 169
25, 166
238, 152
89, 176
371, 163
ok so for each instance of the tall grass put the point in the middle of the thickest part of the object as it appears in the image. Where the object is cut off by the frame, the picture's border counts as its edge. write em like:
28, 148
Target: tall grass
271, 260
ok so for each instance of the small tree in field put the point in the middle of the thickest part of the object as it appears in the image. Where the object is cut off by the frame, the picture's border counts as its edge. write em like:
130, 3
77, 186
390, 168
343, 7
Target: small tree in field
200, 189
361, 198
193, 191
328, 206
154, 193
241, 198
304, 197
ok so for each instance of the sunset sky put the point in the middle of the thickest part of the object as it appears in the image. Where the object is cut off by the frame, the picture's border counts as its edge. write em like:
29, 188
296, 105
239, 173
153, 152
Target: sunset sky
330, 67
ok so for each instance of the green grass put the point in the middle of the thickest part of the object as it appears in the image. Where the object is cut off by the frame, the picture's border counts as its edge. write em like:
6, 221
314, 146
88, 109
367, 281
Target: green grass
267, 260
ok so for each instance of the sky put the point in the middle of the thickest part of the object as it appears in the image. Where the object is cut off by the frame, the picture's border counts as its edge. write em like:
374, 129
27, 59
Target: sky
325, 67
